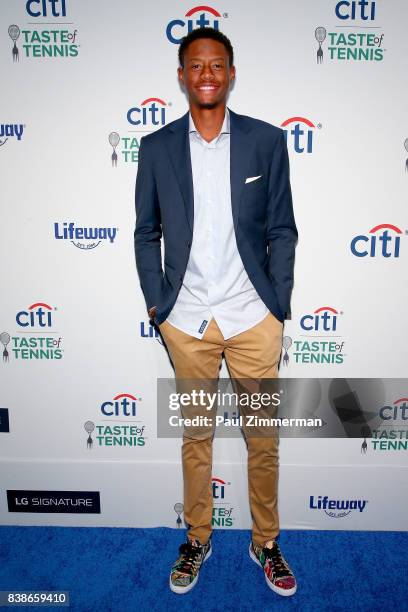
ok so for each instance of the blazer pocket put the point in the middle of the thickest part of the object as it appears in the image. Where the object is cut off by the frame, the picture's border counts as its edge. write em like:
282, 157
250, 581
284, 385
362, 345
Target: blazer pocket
255, 185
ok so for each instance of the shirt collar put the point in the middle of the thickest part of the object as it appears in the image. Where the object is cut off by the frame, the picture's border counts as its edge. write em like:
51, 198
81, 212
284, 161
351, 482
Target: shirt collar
225, 128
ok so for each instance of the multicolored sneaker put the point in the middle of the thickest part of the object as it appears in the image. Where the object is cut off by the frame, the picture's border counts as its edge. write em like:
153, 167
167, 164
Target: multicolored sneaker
184, 573
278, 575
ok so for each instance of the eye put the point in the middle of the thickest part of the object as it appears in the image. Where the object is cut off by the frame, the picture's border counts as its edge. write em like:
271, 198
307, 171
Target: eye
195, 66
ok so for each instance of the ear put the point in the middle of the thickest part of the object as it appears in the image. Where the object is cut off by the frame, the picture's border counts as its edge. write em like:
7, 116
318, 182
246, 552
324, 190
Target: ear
180, 75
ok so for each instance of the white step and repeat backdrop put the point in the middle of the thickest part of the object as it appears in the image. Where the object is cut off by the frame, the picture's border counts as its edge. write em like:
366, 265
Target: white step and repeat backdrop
82, 83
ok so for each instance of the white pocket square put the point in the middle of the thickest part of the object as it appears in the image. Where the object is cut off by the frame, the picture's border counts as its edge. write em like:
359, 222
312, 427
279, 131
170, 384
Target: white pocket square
252, 178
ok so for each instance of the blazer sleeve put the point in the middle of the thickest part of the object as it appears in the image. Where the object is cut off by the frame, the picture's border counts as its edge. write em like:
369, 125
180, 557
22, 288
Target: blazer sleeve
148, 230
281, 227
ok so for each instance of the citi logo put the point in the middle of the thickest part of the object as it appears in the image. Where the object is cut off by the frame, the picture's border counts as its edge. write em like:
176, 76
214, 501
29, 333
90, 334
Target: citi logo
336, 508
361, 9
218, 488
322, 319
196, 18
299, 134
399, 410
123, 404
37, 315
149, 113
10, 130
46, 8
382, 240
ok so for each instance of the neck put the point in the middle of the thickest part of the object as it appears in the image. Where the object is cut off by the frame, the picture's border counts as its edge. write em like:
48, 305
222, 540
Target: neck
208, 121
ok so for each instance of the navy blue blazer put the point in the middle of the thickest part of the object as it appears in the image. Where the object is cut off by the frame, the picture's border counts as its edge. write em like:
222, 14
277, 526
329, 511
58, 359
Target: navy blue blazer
262, 211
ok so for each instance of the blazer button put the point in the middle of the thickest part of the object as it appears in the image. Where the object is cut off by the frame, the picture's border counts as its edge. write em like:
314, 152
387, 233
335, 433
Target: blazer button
189, 244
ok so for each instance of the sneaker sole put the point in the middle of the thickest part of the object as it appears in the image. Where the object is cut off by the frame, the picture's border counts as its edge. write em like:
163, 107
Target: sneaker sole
275, 589
182, 590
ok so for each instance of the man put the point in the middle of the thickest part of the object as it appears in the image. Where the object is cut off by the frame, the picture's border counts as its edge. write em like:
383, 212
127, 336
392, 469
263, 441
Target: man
215, 185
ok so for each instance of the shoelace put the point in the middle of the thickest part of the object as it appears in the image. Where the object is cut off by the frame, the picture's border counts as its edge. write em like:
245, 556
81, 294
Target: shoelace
189, 554
280, 567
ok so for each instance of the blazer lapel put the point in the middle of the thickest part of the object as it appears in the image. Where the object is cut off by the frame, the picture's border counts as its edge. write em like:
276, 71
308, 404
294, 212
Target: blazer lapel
240, 152
179, 152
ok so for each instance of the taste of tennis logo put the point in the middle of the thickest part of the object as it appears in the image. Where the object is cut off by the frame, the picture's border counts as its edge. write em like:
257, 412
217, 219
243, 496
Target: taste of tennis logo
222, 515
299, 133
358, 37
44, 41
151, 114
392, 435
197, 17
111, 431
36, 337
319, 341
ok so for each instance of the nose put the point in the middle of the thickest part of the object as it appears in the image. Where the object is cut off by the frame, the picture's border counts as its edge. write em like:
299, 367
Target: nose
207, 72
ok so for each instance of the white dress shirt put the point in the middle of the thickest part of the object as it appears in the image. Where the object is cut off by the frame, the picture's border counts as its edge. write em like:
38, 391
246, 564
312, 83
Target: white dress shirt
215, 283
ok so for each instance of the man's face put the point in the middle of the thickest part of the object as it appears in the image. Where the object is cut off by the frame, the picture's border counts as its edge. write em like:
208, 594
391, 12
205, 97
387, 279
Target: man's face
206, 75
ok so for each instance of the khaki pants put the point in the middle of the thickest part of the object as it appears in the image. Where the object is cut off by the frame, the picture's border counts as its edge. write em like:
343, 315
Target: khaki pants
252, 354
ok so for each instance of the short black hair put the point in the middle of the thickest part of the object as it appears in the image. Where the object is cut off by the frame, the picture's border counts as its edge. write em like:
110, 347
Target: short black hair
205, 33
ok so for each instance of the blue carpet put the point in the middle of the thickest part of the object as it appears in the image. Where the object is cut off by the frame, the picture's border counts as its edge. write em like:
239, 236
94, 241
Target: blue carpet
127, 569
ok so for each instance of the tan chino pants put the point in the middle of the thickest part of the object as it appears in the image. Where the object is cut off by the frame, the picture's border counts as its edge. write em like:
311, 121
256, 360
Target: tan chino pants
252, 354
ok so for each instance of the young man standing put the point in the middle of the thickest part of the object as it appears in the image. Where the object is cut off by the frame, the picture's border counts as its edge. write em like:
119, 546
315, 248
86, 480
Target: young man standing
215, 185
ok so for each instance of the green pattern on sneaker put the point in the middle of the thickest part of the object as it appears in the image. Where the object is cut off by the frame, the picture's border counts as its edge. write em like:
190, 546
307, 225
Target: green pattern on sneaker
185, 570
277, 572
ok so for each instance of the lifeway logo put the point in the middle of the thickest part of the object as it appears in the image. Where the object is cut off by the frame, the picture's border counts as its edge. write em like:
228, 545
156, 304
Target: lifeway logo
84, 238
336, 508
314, 349
196, 18
299, 133
381, 241
147, 330
11, 130
122, 405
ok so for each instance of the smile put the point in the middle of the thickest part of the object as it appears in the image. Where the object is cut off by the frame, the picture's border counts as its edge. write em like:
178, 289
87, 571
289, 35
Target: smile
207, 87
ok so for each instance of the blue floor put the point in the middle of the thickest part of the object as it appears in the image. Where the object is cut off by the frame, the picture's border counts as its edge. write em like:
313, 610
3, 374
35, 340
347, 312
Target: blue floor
127, 569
